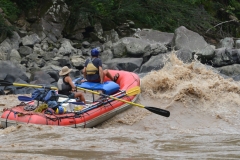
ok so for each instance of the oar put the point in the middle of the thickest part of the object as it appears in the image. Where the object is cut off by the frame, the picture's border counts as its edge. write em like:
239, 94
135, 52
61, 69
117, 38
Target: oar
130, 92
6, 83
133, 91
26, 99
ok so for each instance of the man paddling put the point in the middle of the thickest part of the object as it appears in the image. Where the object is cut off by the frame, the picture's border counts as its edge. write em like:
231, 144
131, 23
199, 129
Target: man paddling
66, 86
93, 70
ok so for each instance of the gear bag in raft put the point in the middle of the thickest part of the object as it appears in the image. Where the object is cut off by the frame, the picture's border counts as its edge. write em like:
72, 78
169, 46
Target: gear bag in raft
48, 96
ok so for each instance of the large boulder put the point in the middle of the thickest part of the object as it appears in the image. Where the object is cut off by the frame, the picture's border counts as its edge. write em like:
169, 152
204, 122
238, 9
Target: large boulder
155, 36
127, 64
66, 47
154, 63
51, 19
30, 40
192, 41
13, 70
230, 70
129, 46
227, 42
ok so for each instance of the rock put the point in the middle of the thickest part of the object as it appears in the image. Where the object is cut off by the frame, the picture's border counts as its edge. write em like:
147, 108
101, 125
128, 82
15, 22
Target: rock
5, 46
10, 69
221, 58
25, 50
66, 48
77, 61
227, 42
127, 64
130, 46
189, 40
52, 19
30, 40
85, 44
154, 63
106, 55
230, 70
111, 35
14, 56
185, 55
155, 36
237, 44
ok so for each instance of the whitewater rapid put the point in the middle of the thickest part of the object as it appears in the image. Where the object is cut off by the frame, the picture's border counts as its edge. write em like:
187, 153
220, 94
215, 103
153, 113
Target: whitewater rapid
204, 122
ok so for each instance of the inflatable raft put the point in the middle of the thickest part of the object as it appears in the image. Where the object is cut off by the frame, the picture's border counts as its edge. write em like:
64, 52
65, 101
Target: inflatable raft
98, 110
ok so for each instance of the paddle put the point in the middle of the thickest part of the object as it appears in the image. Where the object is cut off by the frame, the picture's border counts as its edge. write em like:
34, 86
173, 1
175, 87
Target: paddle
26, 99
133, 91
130, 92
6, 83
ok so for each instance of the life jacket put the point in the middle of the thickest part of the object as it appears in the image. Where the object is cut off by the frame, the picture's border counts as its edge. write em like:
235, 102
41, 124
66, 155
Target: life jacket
91, 69
63, 86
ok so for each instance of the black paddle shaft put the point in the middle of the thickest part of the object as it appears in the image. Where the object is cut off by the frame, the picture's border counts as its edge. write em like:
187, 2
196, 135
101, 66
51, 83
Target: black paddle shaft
5, 83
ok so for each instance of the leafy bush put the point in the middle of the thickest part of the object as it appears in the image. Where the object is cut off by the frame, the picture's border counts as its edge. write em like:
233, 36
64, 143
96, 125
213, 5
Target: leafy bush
10, 9
25, 5
4, 28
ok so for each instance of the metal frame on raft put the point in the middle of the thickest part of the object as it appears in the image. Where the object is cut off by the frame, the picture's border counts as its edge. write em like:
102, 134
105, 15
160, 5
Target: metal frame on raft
87, 124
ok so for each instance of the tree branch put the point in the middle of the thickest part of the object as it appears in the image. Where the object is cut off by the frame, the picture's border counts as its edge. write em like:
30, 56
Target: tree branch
220, 24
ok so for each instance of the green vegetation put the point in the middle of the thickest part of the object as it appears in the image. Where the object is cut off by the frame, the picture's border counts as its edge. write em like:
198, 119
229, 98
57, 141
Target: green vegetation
163, 15
9, 8
11, 12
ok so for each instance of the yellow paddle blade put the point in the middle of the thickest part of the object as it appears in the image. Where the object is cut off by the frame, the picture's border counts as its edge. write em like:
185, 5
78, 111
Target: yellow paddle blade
133, 91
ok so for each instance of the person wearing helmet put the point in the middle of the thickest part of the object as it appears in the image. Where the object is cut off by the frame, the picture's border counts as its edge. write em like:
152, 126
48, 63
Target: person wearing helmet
93, 70
66, 86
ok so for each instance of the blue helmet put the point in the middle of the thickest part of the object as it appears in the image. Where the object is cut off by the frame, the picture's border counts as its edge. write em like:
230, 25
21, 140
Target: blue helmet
94, 52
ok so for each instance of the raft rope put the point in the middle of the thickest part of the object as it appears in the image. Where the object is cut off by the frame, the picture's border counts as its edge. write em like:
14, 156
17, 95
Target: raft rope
75, 114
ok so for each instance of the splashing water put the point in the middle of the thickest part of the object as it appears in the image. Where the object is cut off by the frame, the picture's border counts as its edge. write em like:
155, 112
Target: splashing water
204, 112
194, 85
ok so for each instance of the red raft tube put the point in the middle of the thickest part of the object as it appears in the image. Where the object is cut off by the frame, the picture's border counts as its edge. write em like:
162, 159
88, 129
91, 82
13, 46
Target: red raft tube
92, 115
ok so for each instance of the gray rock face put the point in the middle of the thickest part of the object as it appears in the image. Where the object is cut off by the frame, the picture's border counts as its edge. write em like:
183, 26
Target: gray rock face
155, 36
129, 46
106, 55
25, 50
231, 70
77, 61
66, 48
5, 46
111, 35
185, 55
76, 31
128, 64
227, 42
15, 40
12, 69
30, 40
154, 63
237, 44
186, 39
14, 56
53, 19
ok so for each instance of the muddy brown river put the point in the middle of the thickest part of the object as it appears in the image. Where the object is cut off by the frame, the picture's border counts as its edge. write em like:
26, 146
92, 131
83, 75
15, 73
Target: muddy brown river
204, 123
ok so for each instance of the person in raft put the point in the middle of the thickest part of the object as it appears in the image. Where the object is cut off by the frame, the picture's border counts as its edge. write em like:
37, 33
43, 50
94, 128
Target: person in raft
66, 86
93, 70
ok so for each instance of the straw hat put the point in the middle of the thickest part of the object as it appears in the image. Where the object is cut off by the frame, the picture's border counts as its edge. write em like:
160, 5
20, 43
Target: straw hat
65, 70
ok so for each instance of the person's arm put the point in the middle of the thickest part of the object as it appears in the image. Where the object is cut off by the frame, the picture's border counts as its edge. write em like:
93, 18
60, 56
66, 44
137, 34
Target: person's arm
101, 74
84, 73
84, 69
68, 79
